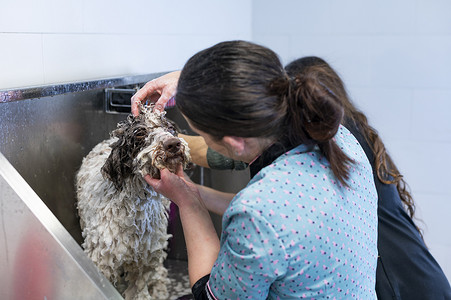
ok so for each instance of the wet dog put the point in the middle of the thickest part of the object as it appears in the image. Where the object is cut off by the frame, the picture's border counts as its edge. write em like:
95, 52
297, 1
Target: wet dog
123, 220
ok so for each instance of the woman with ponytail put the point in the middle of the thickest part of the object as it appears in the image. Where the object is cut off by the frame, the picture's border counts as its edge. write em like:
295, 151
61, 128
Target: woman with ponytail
306, 224
405, 267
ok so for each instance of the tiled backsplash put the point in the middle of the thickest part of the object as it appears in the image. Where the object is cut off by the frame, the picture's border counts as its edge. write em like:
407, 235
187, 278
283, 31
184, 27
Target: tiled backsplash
50, 41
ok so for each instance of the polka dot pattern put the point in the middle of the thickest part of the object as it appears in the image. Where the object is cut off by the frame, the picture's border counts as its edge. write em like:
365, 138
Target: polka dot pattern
295, 232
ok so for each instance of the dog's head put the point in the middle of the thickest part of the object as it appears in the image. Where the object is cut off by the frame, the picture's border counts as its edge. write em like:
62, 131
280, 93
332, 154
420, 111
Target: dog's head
146, 144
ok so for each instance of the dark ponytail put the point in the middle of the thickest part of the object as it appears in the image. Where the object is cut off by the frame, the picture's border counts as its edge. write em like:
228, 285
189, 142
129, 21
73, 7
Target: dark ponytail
384, 167
314, 114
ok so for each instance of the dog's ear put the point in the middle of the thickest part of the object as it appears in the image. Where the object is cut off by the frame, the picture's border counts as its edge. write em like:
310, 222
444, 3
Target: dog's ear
116, 167
131, 135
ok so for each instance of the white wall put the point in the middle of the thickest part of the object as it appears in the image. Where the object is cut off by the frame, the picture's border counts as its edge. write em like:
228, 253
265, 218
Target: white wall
54, 41
395, 57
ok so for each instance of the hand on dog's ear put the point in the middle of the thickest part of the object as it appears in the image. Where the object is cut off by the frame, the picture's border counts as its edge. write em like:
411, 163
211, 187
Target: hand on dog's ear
169, 183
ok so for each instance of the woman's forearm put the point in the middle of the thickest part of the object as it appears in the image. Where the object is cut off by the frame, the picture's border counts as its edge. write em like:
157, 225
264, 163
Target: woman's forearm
215, 201
201, 239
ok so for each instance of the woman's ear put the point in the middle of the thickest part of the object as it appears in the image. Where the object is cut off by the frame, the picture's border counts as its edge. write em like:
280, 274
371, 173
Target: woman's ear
235, 144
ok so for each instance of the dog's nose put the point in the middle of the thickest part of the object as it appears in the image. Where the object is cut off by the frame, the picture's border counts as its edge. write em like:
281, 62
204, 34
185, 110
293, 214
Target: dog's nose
172, 145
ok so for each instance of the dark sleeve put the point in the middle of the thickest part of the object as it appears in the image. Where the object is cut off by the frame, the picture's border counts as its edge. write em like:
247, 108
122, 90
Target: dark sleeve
404, 260
200, 290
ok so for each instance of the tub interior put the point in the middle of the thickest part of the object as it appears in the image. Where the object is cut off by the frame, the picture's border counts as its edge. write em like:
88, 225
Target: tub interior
45, 133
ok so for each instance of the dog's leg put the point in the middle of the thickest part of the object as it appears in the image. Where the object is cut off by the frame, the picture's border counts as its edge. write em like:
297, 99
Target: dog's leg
137, 288
158, 283
147, 282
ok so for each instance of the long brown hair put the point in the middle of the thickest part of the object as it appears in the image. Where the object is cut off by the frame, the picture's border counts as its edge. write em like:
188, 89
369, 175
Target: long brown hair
238, 88
385, 168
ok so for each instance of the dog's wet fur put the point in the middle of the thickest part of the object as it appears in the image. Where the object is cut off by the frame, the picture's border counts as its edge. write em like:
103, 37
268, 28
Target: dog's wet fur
124, 221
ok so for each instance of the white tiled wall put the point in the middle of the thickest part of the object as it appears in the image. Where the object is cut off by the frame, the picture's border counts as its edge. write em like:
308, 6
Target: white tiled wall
53, 41
395, 57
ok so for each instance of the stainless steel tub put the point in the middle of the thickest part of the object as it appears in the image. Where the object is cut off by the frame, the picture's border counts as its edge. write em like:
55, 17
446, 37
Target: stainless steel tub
44, 134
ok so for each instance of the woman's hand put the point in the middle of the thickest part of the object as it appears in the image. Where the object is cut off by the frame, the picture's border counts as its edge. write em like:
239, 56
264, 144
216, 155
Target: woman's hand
160, 89
175, 187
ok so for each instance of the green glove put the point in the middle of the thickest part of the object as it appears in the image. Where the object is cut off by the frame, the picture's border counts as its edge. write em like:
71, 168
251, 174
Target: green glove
217, 161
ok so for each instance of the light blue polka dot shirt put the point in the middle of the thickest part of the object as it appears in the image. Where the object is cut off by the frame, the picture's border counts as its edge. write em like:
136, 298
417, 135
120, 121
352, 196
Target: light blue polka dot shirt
295, 232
